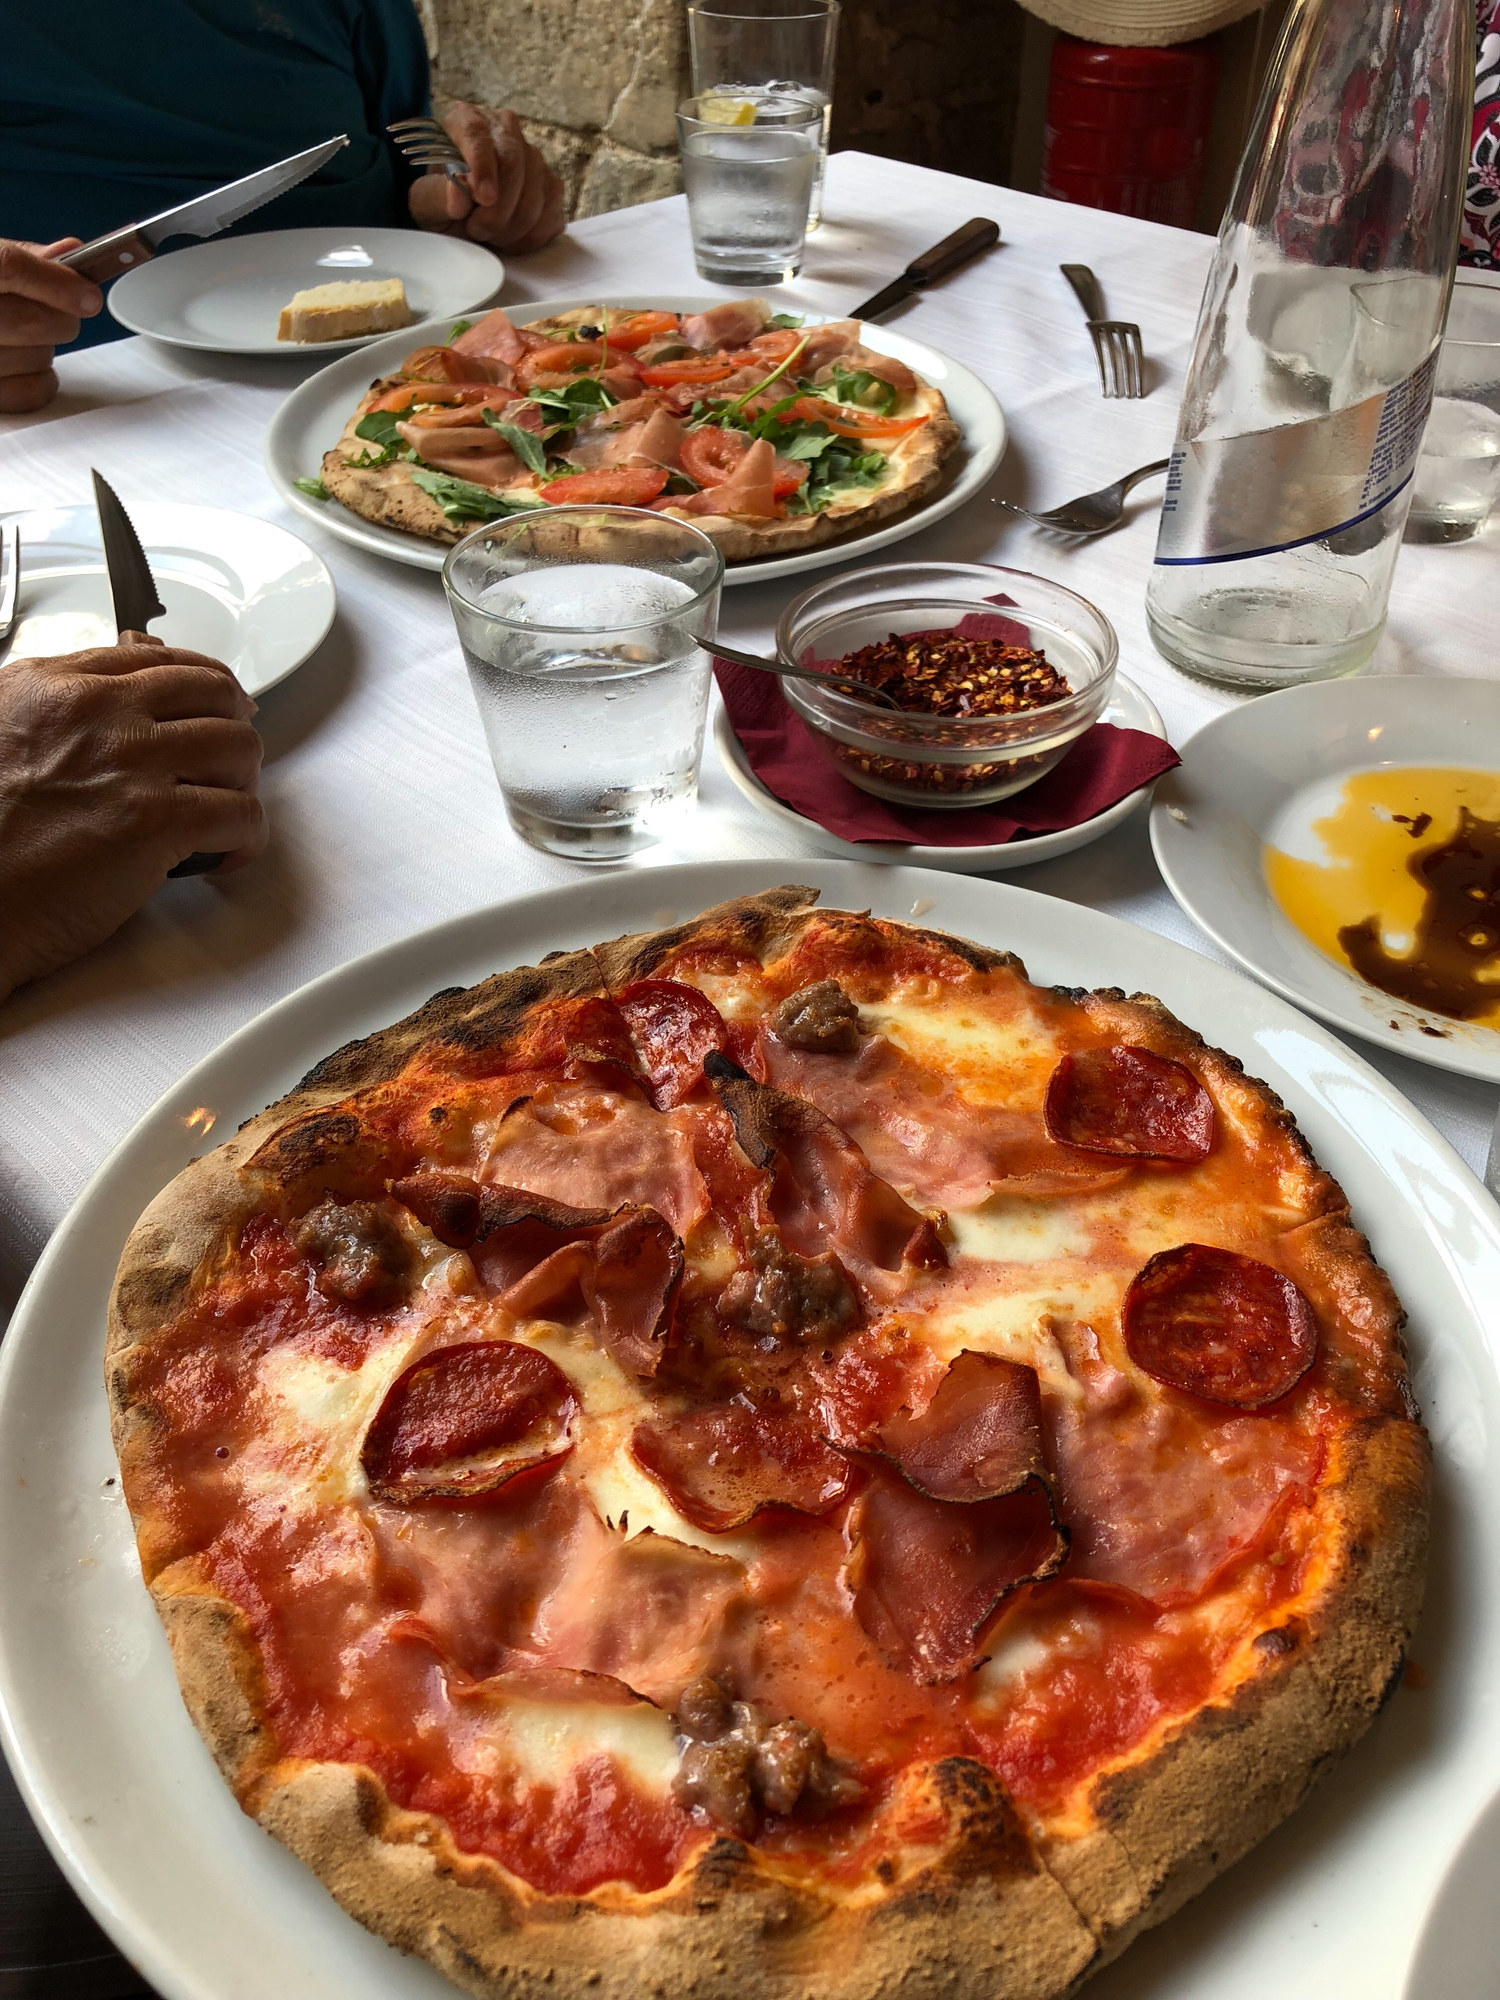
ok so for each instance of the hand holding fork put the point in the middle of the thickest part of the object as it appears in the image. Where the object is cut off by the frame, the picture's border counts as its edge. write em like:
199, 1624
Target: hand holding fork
483, 180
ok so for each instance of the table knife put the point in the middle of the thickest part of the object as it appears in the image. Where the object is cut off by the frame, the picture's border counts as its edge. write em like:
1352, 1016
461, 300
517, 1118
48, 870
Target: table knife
133, 588
933, 264
122, 249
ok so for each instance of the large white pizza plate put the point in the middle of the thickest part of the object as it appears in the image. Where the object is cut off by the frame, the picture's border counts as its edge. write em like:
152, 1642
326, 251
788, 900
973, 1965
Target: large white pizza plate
244, 591
1330, 1907
312, 419
1265, 773
225, 297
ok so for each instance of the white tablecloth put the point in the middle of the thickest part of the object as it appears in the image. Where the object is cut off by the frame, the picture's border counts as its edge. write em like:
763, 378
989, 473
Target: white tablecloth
384, 809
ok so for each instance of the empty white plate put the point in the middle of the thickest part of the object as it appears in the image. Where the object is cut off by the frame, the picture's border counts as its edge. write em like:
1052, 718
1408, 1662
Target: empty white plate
226, 296
238, 589
1129, 708
1264, 773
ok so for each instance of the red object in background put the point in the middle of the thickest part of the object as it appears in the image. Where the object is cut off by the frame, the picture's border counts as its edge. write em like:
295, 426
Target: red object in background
1127, 129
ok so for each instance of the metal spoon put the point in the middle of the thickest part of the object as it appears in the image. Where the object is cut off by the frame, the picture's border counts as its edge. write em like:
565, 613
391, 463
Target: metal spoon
1090, 513
840, 683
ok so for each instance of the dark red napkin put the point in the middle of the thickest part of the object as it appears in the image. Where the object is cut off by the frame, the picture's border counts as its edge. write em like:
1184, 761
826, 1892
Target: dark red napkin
1105, 765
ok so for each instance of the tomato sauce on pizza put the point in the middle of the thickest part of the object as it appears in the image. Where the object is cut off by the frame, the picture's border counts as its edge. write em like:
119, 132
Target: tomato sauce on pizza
783, 1406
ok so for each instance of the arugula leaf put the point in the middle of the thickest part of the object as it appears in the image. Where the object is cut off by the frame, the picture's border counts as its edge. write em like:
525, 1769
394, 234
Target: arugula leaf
578, 399
526, 445
313, 488
459, 328
841, 467
378, 427
786, 322
462, 500
859, 386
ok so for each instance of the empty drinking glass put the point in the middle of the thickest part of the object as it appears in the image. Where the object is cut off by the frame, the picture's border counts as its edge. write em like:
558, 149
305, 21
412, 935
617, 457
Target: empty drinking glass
748, 184
1458, 474
585, 632
739, 47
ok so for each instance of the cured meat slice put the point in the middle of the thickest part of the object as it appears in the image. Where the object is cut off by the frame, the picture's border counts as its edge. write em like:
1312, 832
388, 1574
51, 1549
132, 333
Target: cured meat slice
979, 1437
1132, 1102
824, 1193
1219, 1325
625, 1266
673, 1027
1161, 1494
930, 1138
728, 325
492, 336
749, 489
464, 1421
722, 1465
603, 1147
928, 1576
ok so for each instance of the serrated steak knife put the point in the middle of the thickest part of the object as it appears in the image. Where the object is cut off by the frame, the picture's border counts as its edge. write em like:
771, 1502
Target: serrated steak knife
122, 249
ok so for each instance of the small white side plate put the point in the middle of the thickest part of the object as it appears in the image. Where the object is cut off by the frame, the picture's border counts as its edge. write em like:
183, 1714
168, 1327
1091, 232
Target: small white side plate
312, 419
1129, 708
1274, 762
241, 590
226, 296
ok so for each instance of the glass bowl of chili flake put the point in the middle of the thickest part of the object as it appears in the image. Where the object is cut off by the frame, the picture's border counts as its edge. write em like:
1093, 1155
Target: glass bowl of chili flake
980, 677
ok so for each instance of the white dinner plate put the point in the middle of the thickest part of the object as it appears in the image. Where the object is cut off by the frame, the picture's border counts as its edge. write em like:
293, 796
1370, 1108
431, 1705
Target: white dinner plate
1264, 772
1129, 708
241, 590
312, 420
1330, 1907
226, 296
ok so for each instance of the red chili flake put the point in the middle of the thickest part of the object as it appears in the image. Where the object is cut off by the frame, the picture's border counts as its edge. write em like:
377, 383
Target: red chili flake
938, 673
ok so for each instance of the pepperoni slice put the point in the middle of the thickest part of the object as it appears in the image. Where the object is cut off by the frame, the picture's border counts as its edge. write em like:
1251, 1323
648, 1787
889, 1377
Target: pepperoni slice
464, 1421
673, 1027
979, 1437
1219, 1325
1130, 1102
928, 1577
720, 1466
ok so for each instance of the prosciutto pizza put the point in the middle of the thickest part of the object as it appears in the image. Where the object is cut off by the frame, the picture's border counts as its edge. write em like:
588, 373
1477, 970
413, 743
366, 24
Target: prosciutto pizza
768, 435
776, 1456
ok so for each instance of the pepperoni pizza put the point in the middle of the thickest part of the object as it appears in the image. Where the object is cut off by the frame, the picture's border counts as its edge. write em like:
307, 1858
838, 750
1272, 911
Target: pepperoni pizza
776, 1456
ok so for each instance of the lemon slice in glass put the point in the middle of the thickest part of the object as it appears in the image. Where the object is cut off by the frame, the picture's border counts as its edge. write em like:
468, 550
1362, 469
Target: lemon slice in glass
716, 108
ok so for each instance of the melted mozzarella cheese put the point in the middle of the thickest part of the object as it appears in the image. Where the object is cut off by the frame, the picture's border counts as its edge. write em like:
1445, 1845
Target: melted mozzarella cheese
612, 1406
1017, 1324
548, 1739
321, 1413
951, 1032
1004, 1230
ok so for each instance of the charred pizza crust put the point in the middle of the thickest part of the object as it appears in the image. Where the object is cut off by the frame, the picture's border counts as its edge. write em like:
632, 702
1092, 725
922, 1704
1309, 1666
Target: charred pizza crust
988, 1908
388, 495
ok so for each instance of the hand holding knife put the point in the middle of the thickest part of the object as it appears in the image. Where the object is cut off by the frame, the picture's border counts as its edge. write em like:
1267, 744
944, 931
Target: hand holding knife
136, 601
122, 249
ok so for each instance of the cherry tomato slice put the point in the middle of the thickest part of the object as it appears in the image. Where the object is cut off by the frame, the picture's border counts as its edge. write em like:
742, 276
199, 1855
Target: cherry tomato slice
618, 486
702, 369
637, 328
710, 453
852, 423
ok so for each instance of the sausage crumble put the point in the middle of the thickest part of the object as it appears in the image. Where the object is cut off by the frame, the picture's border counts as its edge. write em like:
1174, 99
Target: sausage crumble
737, 1764
820, 1019
359, 1254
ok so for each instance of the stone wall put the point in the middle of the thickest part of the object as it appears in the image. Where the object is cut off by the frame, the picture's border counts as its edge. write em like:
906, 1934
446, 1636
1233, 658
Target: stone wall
597, 83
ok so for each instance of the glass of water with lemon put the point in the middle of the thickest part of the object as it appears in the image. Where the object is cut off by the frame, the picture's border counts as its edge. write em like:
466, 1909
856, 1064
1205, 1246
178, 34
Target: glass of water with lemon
742, 47
749, 159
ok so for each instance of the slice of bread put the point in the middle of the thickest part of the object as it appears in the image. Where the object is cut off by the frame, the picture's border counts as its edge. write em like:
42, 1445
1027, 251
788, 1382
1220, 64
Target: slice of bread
346, 309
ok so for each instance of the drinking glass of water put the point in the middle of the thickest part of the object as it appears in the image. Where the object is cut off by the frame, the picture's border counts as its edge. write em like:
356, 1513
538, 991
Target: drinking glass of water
1458, 475
739, 47
748, 165
586, 634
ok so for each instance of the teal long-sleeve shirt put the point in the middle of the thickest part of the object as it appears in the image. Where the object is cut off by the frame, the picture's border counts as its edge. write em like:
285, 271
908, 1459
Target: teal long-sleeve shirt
111, 110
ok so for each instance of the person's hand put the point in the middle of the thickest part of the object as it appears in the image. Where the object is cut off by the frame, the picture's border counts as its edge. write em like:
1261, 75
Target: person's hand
512, 199
115, 765
41, 303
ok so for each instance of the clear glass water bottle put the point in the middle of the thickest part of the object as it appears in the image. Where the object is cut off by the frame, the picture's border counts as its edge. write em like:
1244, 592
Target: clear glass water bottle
1317, 340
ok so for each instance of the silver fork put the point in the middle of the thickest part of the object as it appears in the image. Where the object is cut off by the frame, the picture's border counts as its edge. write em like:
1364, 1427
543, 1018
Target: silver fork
1090, 513
1117, 342
428, 144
